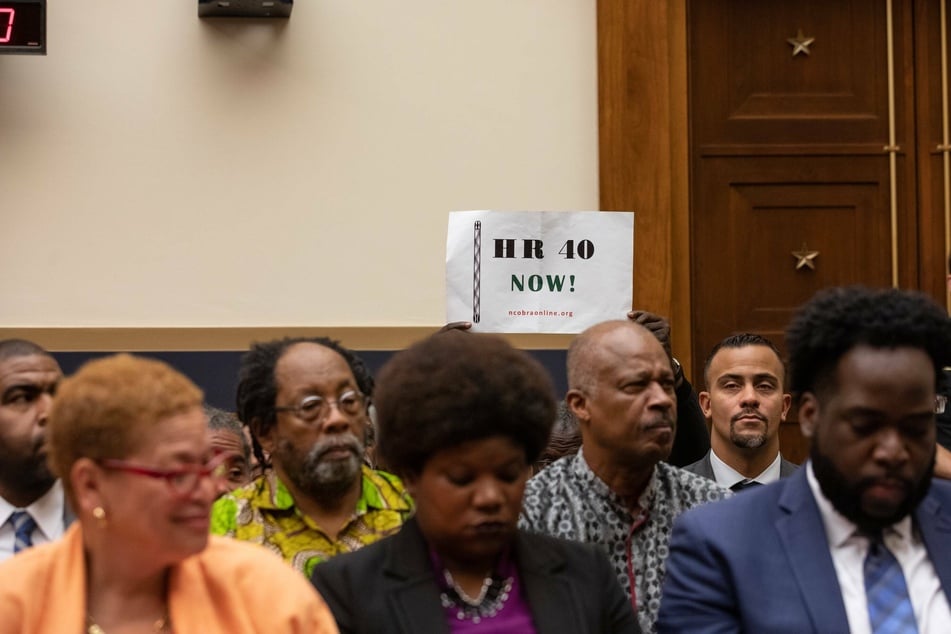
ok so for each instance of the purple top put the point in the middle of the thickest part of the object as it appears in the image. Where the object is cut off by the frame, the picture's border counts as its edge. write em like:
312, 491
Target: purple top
514, 616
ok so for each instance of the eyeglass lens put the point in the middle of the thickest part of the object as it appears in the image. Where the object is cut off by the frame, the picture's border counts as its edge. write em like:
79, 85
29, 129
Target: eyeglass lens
314, 408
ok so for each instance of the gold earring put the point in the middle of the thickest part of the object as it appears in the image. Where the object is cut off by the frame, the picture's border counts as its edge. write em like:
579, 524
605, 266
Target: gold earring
100, 514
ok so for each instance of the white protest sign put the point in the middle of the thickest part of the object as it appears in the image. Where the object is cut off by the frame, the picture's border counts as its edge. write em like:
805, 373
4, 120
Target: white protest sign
538, 271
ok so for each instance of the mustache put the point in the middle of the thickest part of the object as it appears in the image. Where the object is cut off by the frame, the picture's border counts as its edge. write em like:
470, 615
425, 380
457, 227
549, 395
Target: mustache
749, 413
663, 420
866, 483
347, 441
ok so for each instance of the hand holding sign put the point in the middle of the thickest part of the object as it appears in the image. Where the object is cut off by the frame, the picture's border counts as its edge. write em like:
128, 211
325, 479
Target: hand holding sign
556, 272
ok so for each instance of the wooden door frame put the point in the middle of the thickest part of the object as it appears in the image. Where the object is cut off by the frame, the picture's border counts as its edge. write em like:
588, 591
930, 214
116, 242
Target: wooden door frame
645, 163
643, 149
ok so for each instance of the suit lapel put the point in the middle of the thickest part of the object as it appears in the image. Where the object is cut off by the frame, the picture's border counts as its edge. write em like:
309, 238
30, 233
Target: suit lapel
803, 536
786, 468
554, 607
705, 467
935, 528
414, 598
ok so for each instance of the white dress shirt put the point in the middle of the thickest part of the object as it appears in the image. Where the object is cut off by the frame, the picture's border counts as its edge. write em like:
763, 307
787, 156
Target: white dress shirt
727, 476
848, 549
47, 512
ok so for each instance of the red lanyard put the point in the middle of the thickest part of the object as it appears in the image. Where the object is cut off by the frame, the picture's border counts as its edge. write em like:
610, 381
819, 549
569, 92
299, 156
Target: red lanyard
639, 521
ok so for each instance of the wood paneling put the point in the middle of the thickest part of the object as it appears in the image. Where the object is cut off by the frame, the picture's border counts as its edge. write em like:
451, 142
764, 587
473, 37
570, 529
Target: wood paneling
643, 147
789, 153
782, 150
792, 151
748, 88
757, 211
932, 227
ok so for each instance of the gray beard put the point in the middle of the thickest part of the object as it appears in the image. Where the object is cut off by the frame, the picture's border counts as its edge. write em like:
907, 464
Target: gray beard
330, 480
323, 480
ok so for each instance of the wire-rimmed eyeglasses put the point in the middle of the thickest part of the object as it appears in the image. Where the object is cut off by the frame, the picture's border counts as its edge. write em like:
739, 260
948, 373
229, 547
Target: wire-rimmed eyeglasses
315, 409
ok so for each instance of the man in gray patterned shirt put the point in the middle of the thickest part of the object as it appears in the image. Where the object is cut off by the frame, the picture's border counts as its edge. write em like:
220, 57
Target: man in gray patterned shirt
617, 492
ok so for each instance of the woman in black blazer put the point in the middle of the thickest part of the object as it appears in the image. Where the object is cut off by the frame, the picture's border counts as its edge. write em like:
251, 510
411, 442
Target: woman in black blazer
461, 417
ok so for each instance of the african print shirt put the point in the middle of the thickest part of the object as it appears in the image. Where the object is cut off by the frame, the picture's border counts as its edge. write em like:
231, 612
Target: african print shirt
264, 512
568, 500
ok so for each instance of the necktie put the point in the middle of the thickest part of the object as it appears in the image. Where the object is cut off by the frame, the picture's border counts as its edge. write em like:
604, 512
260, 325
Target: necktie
23, 526
745, 484
889, 607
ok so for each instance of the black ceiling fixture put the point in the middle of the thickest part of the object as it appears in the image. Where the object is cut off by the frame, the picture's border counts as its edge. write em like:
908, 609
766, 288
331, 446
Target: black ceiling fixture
245, 8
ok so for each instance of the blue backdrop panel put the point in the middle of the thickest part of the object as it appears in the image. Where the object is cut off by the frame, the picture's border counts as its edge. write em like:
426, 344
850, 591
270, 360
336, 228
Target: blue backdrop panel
216, 372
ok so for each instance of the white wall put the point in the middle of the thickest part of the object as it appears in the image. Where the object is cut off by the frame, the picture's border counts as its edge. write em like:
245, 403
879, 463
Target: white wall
161, 170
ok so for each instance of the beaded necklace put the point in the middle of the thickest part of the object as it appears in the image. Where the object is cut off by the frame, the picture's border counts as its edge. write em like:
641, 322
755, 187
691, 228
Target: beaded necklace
495, 591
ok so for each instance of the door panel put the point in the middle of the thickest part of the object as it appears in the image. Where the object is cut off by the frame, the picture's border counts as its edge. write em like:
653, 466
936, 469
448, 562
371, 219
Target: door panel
791, 154
748, 88
778, 150
929, 111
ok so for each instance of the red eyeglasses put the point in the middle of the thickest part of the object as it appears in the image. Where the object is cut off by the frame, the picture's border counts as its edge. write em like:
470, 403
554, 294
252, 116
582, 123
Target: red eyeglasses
181, 481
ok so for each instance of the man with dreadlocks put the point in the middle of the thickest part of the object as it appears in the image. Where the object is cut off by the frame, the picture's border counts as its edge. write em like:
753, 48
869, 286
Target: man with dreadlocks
306, 403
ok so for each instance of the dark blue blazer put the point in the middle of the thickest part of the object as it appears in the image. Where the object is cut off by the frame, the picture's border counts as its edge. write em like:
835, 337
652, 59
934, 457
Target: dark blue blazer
760, 562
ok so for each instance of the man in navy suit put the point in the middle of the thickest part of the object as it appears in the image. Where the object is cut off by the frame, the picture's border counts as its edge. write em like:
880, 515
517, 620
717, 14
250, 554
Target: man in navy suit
814, 552
746, 402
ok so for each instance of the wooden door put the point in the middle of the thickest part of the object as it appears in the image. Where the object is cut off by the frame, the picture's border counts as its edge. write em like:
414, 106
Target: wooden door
932, 147
799, 150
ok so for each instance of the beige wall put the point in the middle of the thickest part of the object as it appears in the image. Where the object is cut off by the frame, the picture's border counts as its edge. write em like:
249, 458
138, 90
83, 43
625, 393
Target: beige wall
161, 170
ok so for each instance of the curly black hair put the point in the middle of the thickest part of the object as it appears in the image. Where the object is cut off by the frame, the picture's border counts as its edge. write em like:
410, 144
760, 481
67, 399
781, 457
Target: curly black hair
257, 388
454, 387
838, 319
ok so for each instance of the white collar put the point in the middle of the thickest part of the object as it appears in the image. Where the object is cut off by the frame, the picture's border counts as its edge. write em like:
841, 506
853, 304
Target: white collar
727, 476
47, 511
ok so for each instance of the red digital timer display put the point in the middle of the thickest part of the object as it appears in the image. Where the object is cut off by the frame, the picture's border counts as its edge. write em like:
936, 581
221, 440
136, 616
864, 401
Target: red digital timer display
23, 26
